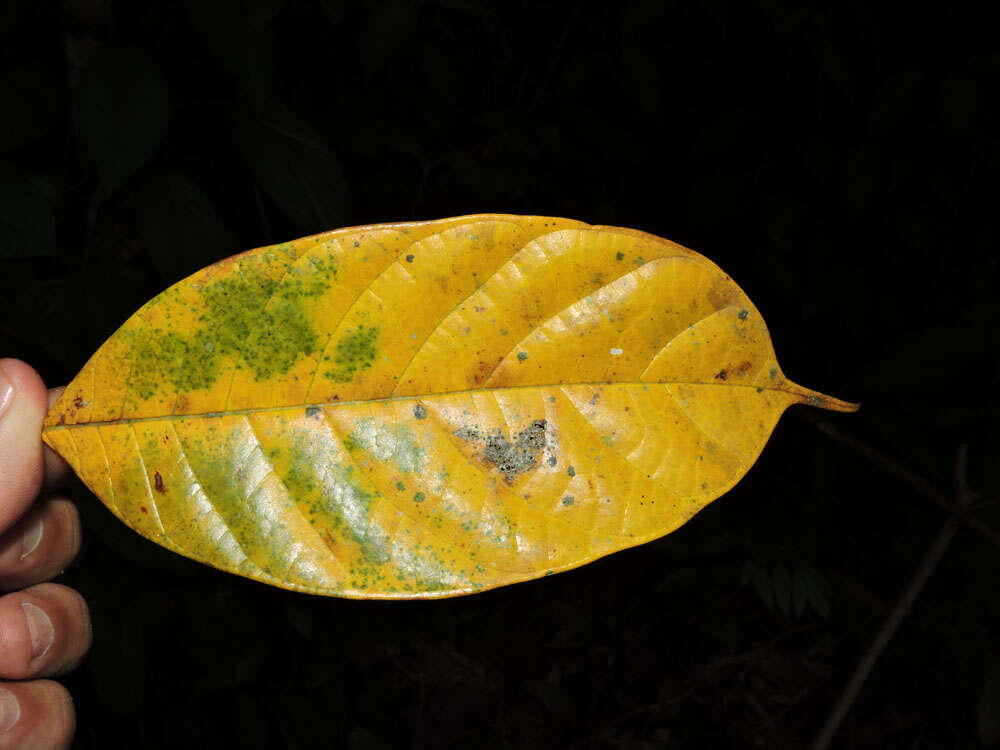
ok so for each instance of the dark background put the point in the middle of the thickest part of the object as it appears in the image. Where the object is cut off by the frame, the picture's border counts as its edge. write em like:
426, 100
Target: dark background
838, 164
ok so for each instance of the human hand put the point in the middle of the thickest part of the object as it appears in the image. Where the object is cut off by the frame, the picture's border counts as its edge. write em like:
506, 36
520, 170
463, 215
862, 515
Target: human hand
44, 627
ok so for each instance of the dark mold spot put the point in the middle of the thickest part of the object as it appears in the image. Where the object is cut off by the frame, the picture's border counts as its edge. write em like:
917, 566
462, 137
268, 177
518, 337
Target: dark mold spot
571, 471
619, 256
409, 258
313, 412
568, 500
521, 356
471, 434
418, 497
510, 458
419, 411
553, 461
158, 482
720, 375
743, 314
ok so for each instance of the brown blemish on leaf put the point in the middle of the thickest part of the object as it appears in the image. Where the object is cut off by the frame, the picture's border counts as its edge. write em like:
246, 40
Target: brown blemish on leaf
78, 402
741, 369
482, 371
721, 293
158, 482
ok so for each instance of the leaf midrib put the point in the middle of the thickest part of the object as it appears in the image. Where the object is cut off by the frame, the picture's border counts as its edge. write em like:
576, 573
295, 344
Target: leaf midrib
393, 399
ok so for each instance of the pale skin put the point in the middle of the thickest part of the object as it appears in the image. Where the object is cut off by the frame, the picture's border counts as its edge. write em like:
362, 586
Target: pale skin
44, 627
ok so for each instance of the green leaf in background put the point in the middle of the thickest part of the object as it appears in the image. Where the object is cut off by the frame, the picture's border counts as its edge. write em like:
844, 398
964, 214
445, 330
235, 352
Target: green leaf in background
31, 99
123, 112
180, 225
27, 226
12, 13
293, 166
240, 35
788, 588
48, 313
781, 580
800, 591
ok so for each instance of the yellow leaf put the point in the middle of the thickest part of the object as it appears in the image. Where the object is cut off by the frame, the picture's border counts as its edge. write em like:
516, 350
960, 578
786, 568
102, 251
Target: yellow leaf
427, 409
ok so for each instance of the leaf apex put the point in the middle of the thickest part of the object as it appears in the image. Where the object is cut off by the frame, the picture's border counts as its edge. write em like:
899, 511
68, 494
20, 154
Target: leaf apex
815, 398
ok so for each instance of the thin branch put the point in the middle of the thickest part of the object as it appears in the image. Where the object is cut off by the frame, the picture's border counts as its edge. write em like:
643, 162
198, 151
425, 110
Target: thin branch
911, 478
963, 494
921, 574
902, 607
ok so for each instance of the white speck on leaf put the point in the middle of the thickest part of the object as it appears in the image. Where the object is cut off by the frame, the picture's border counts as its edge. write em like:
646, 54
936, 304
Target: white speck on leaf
616, 352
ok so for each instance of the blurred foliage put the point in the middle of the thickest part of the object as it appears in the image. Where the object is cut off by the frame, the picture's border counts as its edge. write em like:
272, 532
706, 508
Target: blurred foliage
831, 158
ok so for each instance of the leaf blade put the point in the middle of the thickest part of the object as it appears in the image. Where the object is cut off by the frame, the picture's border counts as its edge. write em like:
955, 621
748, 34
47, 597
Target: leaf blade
427, 409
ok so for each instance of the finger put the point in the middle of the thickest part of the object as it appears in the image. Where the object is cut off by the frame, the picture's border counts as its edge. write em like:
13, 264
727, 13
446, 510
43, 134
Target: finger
57, 471
44, 630
36, 714
40, 545
22, 408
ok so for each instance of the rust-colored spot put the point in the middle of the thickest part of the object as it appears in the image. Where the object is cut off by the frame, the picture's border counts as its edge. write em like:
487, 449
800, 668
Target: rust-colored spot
78, 402
143, 509
158, 482
744, 367
482, 371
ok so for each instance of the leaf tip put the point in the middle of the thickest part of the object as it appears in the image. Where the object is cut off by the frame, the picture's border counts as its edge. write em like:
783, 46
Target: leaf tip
821, 400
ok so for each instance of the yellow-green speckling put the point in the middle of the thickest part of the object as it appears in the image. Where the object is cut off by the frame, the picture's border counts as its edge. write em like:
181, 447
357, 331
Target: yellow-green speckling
355, 351
250, 317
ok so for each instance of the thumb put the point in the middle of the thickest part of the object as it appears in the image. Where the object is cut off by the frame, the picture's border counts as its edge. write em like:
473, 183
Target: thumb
22, 408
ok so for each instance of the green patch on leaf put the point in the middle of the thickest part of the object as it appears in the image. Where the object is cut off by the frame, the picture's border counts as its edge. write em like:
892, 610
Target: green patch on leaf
354, 352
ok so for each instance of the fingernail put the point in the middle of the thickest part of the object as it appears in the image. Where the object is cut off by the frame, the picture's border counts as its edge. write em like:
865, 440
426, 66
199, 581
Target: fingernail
6, 393
39, 628
10, 710
32, 537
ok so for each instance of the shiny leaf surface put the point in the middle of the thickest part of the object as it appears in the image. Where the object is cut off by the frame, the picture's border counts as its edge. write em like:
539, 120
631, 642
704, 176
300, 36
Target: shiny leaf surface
428, 409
